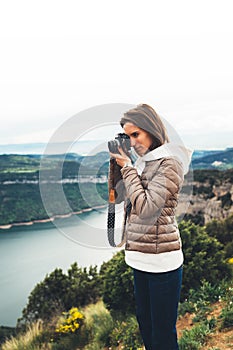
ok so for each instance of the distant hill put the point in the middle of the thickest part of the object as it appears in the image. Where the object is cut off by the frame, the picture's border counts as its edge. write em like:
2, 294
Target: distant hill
15, 166
203, 153
28, 164
79, 147
221, 160
212, 195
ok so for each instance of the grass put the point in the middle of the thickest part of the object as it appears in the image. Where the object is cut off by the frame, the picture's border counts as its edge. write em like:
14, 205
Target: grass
99, 325
28, 340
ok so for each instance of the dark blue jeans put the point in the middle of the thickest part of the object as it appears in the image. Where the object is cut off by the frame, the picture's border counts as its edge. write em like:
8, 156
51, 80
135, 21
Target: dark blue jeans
157, 296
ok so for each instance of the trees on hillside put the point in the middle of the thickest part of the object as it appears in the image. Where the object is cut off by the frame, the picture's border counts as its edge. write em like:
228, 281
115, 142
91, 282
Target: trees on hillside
204, 257
205, 260
118, 294
59, 292
223, 232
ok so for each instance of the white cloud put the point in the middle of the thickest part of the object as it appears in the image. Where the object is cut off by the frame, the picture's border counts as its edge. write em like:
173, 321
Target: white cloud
212, 116
58, 58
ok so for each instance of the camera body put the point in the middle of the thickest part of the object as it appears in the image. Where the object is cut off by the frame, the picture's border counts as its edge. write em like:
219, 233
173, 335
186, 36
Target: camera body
121, 140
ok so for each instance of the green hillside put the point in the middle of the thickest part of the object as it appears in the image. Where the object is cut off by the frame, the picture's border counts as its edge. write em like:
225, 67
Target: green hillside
221, 160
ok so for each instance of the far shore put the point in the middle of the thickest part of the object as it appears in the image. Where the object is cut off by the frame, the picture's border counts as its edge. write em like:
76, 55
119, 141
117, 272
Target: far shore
28, 223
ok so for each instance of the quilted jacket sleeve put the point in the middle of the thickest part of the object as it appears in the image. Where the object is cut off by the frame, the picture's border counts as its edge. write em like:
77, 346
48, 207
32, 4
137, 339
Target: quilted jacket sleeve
149, 193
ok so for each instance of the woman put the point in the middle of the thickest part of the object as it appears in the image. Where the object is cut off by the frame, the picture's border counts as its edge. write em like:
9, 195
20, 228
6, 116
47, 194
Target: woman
153, 244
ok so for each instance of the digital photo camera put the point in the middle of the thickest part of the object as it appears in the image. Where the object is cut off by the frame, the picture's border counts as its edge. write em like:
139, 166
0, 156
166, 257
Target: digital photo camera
121, 140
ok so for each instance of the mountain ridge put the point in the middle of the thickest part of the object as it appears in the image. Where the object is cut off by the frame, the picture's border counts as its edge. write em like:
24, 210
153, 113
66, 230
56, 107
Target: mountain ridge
221, 160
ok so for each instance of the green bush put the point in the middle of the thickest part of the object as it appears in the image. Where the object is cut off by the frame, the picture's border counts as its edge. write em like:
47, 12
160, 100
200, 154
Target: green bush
6, 332
208, 293
118, 291
195, 338
199, 301
204, 258
221, 229
69, 342
227, 316
186, 306
127, 334
229, 250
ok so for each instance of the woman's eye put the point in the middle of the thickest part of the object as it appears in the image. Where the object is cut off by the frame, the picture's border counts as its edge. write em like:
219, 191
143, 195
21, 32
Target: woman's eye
135, 134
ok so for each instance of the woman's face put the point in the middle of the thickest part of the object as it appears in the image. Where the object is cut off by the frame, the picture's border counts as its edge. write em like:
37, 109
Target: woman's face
139, 138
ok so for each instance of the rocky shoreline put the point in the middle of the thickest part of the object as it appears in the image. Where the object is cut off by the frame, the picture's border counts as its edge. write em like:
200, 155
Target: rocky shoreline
28, 223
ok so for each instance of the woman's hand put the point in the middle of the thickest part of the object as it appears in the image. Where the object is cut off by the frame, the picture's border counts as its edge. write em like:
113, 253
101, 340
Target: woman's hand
121, 158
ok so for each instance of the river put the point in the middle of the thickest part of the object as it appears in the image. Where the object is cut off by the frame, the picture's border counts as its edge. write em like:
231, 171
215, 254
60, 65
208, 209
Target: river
28, 253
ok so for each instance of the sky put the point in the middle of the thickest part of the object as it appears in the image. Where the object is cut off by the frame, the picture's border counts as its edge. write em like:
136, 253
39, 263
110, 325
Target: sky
62, 57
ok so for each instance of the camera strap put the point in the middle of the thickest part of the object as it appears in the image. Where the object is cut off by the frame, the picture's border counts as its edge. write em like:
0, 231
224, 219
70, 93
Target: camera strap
111, 224
111, 206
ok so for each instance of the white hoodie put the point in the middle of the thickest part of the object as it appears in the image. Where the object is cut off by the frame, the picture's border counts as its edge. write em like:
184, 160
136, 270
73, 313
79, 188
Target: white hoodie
169, 149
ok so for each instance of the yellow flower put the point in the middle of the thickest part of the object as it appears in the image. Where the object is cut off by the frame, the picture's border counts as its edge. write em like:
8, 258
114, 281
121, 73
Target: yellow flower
69, 322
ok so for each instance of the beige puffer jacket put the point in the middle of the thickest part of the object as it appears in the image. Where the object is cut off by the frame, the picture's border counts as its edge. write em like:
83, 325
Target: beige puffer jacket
151, 226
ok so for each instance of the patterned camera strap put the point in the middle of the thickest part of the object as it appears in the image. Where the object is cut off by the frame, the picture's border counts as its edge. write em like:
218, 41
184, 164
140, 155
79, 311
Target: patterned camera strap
111, 223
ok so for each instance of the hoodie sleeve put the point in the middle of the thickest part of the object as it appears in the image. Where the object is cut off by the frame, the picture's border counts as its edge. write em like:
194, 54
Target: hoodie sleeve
149, 193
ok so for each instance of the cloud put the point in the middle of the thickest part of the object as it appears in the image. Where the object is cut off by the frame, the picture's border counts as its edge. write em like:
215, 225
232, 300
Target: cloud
59, 59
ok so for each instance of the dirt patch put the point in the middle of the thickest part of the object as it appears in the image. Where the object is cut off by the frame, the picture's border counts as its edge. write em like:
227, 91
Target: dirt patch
215, 341
184, 322
220, 341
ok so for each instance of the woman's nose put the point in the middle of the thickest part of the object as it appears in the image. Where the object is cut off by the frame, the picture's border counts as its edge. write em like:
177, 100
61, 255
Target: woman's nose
132, 142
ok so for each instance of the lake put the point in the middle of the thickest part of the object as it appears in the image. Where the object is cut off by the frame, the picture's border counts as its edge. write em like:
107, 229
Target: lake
28, 253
